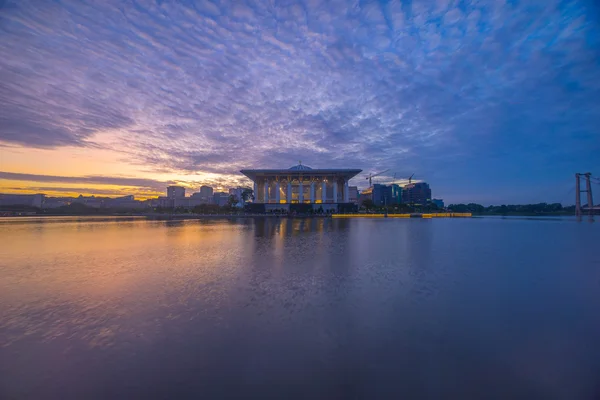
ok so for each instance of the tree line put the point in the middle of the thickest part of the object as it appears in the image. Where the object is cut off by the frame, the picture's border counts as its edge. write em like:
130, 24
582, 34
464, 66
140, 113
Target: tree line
514, 209
367, 205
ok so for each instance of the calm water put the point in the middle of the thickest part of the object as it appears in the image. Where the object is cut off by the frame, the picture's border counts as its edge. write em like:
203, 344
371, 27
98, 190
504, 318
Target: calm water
449, 308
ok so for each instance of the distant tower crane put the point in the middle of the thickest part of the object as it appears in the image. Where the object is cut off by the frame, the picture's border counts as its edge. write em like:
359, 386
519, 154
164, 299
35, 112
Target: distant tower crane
409, 179
371, 176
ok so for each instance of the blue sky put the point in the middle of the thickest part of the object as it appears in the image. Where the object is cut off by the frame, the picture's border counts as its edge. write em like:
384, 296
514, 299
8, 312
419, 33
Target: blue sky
488, 101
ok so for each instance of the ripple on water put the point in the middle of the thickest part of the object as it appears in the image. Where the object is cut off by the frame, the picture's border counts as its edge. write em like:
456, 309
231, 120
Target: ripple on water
332, 307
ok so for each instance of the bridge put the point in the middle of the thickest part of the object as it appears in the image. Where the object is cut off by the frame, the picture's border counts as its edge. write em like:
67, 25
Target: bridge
586, 210
589, 208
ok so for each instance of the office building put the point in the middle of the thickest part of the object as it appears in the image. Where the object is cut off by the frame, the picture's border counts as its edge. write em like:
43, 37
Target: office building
206, 192
416, 193
381, 195
175, 192
396, 193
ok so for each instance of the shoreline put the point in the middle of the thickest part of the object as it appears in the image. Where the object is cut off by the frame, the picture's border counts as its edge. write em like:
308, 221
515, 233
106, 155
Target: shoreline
169, 216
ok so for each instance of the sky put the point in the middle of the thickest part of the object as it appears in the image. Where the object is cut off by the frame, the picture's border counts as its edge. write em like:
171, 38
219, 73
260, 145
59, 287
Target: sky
488, 101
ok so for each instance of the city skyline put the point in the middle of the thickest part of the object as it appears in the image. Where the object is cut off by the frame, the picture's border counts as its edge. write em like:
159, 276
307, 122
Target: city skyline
490, 102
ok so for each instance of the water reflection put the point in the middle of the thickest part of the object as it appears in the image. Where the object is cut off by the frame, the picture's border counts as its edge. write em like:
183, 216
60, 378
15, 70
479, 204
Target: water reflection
334, 307
269, 227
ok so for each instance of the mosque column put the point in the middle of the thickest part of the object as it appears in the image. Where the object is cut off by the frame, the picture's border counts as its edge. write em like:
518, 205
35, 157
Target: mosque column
255, 193
277, 195
324, 191
335, 196
312, 192
266, 198
300, 194
288, 198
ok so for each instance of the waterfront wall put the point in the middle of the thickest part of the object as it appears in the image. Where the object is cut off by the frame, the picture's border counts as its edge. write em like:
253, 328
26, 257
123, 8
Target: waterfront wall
433, 215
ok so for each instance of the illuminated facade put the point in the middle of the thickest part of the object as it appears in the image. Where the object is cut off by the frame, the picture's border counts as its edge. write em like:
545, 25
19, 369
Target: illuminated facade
278, 188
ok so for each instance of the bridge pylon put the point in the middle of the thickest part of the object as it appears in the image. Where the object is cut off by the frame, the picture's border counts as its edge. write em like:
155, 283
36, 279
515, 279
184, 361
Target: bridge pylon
588, 190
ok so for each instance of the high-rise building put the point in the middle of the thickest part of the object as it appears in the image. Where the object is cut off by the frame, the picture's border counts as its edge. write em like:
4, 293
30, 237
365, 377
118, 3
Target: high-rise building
396, 193
416, 193
382, 195
175, 192
206, 192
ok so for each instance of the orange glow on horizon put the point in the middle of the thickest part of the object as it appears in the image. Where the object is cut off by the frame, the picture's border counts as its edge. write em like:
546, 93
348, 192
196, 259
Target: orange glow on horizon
20, 187
86, 162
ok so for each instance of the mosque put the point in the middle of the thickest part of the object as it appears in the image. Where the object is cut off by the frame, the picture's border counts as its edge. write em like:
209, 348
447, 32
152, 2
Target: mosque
325, 189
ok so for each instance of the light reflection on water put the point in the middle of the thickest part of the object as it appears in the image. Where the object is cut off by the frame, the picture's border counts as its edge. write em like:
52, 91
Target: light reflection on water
122, 307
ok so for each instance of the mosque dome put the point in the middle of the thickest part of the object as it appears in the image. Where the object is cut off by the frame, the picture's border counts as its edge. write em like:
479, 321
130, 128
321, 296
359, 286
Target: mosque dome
300, 167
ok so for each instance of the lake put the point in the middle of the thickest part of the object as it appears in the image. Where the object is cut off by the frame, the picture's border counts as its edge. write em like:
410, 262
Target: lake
299, 308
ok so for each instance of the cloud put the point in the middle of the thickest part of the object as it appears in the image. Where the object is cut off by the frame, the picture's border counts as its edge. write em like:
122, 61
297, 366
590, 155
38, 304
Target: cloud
99, 180
127, 183
61, 191
225, 85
